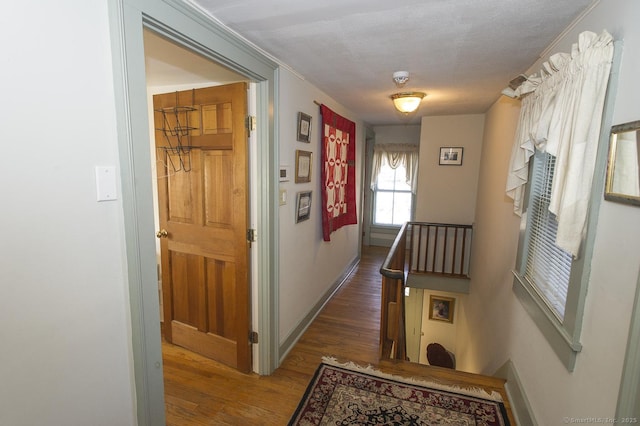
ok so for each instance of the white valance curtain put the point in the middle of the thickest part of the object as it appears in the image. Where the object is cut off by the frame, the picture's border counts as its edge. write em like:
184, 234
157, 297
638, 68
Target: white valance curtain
562, 114
396, 155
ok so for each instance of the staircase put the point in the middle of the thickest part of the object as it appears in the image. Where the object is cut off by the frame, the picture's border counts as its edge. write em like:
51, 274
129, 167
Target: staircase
430, 256
424, 255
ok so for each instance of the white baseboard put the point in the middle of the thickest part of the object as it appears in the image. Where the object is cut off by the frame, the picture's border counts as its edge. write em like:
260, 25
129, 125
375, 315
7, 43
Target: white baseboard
297, 332
517, 398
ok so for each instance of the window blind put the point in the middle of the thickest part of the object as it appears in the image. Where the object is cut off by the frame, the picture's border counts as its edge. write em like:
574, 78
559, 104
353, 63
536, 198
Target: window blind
548, 267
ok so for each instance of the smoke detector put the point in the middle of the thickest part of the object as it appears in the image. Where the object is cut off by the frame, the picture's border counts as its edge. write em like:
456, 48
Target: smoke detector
400, 78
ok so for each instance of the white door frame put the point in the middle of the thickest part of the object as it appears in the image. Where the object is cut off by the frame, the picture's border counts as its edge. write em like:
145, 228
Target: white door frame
189, 27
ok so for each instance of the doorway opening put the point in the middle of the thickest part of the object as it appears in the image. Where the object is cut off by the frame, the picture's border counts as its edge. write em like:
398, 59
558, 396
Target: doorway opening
206, 281
187, 27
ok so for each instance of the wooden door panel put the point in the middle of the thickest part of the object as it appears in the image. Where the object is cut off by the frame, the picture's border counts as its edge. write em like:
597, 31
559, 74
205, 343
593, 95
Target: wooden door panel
216, 119
182, 192
203, 293
218, 175
207, 344
218, 248
188, 293
204, 210
204, 317
221, 298
210, 117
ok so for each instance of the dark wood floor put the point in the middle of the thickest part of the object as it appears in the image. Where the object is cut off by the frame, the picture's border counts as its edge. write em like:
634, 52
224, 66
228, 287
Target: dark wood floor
199, 391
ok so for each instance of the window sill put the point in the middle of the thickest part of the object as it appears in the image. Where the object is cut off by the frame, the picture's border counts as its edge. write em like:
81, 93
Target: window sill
385, 229
563, 343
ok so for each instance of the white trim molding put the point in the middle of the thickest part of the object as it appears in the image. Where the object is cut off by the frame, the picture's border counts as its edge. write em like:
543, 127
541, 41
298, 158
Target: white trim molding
517, 398
628, 403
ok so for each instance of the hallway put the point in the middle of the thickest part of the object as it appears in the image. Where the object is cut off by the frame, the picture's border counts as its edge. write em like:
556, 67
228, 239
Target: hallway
199, 391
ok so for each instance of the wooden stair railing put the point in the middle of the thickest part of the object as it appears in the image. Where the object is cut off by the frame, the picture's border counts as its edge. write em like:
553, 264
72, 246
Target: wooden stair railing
440, 249
392, 330
419, 248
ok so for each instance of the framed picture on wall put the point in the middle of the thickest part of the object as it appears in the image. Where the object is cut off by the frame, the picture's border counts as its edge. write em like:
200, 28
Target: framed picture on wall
450, 156
303, 206
304, 127
441, 308
303, 166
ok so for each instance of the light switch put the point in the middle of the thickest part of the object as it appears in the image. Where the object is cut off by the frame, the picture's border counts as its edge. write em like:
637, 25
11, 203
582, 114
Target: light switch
283, 196
106, 183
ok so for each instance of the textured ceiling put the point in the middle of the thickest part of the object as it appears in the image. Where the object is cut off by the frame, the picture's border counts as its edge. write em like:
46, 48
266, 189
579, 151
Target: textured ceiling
462, 53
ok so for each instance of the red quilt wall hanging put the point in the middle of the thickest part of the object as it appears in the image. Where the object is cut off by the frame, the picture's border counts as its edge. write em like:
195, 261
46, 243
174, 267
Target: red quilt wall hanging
338, 172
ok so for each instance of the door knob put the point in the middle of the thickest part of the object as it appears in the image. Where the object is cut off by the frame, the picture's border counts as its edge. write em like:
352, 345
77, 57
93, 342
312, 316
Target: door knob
162, 233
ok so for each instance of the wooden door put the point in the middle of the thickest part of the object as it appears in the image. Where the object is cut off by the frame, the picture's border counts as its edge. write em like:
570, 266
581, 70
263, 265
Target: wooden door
201, 144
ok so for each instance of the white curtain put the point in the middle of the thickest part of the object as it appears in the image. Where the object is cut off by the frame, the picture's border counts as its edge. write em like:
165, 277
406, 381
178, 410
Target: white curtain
396, 155
562, 115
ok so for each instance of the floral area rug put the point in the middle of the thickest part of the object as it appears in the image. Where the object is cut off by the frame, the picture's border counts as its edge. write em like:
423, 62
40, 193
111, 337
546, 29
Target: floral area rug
347, 394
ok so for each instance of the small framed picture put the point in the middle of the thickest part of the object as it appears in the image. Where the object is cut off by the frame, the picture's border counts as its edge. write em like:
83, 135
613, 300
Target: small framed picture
441, 308
304, 127
303, 206
450, 156
303, 166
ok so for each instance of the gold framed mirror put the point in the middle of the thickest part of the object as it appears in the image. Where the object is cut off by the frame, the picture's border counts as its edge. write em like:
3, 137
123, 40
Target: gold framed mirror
623, 167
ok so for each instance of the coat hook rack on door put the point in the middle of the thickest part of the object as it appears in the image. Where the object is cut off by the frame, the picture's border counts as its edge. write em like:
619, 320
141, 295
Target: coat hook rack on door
177, 133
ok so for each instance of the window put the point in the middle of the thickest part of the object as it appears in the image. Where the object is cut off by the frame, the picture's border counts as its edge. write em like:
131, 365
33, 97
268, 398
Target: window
549, 282
393, 182
548, 267
392, 200
561, 117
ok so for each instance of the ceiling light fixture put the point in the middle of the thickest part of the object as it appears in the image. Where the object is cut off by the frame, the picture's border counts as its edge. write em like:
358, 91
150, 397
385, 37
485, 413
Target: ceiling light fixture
407, 102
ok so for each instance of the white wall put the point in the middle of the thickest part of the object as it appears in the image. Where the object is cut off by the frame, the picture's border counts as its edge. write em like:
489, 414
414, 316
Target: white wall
309, 266
484, 322
436, 331
397, 134
447, 194
554, 393
64, 309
